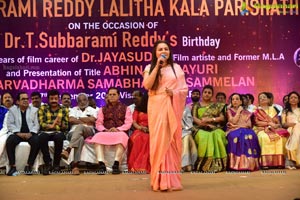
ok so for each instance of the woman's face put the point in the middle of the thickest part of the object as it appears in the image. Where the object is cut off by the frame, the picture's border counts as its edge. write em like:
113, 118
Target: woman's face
162, 48
245, 100
263, 100
285, 100
293, 99
207, 94
236, 101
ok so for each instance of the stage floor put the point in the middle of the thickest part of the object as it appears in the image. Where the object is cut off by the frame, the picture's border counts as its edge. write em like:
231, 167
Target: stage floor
264, 185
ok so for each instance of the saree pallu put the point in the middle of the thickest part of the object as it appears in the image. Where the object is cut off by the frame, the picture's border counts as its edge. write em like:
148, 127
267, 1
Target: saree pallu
293, 144
272, 152
212, 154
243, 150
271, 141
165, 146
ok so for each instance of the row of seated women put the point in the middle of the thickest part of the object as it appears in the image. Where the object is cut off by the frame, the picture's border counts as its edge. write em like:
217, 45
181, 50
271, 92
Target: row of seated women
251, 141
218, 137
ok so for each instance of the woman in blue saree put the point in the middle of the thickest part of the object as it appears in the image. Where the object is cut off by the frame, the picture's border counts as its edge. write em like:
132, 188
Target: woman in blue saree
243, 147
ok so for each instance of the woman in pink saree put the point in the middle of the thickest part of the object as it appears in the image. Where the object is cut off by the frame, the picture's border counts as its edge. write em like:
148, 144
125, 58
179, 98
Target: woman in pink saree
167, 89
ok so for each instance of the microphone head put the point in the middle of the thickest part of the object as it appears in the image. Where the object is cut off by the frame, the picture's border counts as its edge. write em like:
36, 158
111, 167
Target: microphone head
164, 57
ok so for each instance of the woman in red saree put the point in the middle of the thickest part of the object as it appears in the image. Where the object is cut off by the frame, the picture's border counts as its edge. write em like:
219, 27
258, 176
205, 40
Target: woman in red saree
138, 145
167, 89
271, 136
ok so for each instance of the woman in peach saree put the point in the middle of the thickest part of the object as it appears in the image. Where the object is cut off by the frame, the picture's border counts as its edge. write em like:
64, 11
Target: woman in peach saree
291, 121
167, 89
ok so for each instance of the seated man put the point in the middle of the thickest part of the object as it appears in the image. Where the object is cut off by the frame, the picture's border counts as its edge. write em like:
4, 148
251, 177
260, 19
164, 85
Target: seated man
23, 125
7, 100
113, 121
93, 103
195, 96
250, 106
66, 100
53, 119
221, 97
36, 99
189, 149
82, 120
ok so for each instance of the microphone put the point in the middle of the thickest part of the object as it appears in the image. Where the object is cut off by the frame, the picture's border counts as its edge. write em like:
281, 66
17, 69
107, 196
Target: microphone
162, 62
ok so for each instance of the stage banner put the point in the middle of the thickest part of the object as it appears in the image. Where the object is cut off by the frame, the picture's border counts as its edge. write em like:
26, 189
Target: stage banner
74, 46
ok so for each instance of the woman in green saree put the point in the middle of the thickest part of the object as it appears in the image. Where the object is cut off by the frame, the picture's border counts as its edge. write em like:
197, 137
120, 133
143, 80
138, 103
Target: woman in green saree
209, 136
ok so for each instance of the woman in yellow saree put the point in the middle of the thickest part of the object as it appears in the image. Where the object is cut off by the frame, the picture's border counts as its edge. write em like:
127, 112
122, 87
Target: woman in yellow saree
271, 136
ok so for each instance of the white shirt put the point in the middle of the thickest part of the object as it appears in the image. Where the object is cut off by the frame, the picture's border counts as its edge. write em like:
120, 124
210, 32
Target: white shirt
76, 112
251, 108
279, 107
